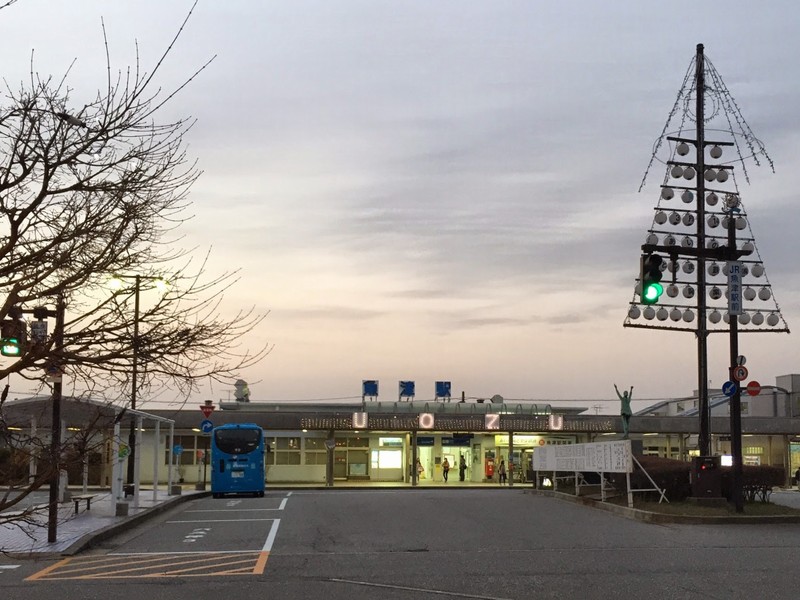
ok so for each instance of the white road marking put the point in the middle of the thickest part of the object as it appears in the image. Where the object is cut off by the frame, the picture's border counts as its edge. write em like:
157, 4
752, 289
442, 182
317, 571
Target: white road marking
273, 531
9, 566
415, 589
225, 510
183, 552
219, 520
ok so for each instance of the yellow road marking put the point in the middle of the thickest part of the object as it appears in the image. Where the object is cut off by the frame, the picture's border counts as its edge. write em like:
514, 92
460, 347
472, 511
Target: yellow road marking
155, 566
49, 569
261, 563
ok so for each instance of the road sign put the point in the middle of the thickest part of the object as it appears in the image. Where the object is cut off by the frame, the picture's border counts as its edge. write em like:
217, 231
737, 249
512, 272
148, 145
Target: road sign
207, 409
740, 373
38, 331
729, 388
330, 444
177, 449
206, 426
123, 451
734, 288
754, 388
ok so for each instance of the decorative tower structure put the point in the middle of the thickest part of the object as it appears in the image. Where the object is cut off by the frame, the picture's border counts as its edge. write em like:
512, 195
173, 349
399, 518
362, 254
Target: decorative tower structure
700, 269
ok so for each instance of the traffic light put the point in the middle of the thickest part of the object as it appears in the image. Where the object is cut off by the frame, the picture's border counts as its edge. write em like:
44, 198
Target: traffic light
651, 278
13, 338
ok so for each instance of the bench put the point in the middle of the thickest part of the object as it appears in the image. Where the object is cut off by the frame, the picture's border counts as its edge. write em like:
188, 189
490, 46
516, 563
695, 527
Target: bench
77, 500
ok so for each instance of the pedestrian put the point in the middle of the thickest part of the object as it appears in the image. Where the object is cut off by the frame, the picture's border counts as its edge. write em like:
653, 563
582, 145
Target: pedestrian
501, 471
797, 478
445, 469
420, 470
462, 468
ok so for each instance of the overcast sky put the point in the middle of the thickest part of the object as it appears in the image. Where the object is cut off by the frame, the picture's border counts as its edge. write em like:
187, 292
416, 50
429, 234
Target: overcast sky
447, 190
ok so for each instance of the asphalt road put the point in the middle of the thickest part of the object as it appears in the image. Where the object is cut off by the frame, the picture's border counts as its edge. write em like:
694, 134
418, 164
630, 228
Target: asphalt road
388, 544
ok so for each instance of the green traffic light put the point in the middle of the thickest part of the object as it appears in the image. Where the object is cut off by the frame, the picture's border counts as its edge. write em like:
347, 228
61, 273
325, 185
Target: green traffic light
10, 347
652, 292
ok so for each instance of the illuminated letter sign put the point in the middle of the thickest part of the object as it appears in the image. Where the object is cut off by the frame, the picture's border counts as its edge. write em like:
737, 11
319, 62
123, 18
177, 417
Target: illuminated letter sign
426, 420
492, 421
557, 422
359, 420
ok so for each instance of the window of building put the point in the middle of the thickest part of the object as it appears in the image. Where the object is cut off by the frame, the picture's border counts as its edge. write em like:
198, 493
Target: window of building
287, 451
315, 451
190, 445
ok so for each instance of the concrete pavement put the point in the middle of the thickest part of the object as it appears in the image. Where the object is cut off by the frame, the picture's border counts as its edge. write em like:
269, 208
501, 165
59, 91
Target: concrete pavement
78, 531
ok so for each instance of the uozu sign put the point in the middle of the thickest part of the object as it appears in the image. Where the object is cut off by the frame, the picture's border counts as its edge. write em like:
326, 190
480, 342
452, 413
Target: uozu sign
456, 423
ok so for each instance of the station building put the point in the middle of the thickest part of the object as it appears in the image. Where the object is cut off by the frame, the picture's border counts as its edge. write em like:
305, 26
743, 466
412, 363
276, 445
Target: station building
372, 441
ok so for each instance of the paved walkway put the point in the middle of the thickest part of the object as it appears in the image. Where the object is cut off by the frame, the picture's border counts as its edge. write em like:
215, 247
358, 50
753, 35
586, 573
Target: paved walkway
75, 530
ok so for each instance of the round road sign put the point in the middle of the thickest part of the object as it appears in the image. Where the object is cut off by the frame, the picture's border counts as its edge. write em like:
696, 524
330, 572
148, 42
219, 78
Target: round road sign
729, 388
754, 388
740, 373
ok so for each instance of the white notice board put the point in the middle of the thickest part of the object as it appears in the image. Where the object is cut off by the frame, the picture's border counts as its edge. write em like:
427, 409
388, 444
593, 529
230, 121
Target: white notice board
599, 457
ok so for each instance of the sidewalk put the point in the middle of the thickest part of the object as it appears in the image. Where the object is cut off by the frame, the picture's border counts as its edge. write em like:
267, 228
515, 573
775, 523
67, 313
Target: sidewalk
75, 532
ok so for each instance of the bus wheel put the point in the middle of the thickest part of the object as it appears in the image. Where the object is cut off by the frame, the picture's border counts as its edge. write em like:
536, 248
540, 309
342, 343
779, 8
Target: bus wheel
260, 494
216, 495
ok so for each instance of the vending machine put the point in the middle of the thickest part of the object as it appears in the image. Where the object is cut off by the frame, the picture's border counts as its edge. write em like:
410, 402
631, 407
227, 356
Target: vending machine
488, 465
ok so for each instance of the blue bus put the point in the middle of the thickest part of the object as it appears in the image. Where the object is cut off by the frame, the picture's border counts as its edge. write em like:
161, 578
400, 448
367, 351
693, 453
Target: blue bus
237, 460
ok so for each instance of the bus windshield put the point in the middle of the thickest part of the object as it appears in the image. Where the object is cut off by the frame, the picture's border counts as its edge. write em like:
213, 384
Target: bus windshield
237, 441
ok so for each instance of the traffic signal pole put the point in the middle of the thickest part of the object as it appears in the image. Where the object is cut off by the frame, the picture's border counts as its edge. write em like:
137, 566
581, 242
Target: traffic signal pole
736, 399
55, 428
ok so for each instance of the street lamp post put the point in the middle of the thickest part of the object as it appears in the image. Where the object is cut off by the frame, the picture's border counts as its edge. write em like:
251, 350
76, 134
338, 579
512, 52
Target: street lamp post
134, 377
135, 344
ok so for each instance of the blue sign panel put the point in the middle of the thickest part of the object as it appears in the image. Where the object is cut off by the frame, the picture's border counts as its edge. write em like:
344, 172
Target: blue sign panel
406, 389
729, 388
177, 449
442, 389
369, 387
455, 441
424, 441
206, 426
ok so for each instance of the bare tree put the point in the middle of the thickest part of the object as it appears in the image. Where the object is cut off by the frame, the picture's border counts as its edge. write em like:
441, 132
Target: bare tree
93, 190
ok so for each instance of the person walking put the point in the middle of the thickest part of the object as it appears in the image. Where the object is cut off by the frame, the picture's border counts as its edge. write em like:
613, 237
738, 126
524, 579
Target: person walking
445, 469
501, 472
462, 468
797, 478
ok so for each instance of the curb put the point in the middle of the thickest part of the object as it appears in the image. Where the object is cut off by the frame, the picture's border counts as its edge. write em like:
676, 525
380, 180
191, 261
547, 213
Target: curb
88, 540
660, 518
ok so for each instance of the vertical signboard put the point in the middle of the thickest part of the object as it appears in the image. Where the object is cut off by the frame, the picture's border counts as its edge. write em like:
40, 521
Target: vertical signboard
734, 287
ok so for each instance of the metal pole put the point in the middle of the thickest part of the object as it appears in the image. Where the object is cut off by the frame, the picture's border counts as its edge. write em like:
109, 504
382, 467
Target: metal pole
156, 458
702, 325
331, 448
736, 400
55, 426
134, 375
414, 473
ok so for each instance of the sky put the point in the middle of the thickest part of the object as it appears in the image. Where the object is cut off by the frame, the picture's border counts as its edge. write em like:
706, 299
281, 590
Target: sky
446, 191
